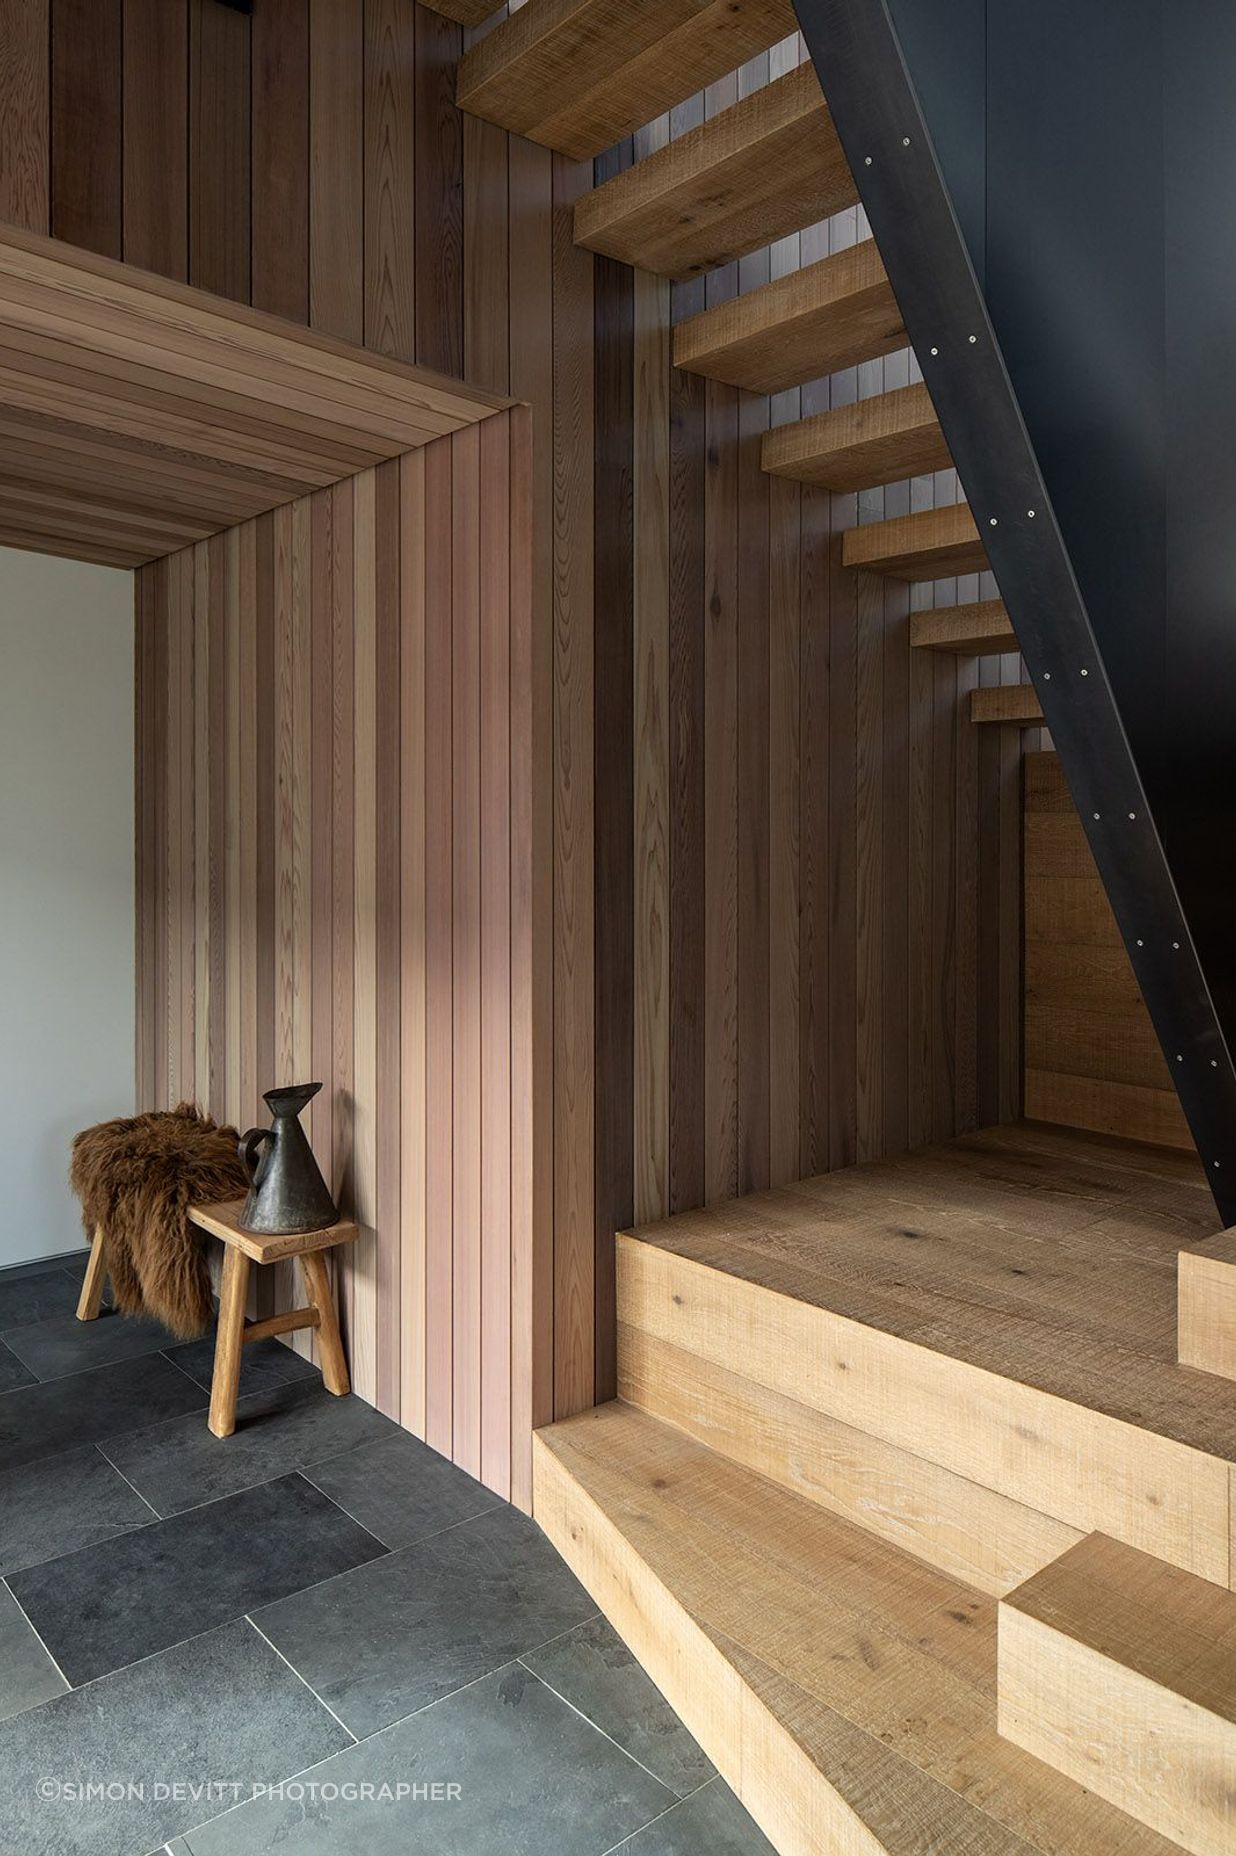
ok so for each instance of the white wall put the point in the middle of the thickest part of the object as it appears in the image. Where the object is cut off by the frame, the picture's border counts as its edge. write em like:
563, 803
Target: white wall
66, 881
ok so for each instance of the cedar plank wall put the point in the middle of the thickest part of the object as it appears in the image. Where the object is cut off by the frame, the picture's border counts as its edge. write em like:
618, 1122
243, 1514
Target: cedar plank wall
784, 898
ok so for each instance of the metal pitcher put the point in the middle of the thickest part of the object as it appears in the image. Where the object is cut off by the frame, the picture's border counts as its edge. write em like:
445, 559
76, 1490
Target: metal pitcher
286, 1190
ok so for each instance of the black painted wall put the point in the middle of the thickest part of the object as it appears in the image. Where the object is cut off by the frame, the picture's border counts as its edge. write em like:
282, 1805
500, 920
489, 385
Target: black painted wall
1089, 147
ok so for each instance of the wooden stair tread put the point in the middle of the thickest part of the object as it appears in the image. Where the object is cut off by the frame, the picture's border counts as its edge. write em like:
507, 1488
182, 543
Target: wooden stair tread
884, 439
828, 315
845, 1691
1120, 1671
1003, 1307
981, 630
932, 545
763, 169
1010, 702
578, 75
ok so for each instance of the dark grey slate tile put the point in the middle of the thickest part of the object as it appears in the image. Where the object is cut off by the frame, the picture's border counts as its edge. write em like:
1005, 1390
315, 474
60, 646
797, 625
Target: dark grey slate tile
223, 1707
43, 1266
592, 1668
12, 1372
28, 1675
381, 1642
533, 1778
709, 1823
178, 1466
35, 1298
61, 1503
63, 1344
131, 1596
400, 1489
37, 1421
264, 1364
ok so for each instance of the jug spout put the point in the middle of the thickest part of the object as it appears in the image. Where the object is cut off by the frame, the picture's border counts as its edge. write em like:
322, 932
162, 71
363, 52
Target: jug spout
286, 1190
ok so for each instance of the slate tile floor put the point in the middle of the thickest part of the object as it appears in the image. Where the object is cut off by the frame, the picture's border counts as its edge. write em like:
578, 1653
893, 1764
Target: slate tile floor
268, 1643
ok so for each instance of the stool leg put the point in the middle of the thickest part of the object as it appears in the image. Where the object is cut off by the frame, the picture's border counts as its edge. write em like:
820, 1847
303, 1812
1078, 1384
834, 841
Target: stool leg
229, 1342
88, 1302
334, 1366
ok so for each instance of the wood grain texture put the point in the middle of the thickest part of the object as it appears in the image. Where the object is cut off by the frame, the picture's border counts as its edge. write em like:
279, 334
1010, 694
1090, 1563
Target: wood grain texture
307, 653
1206, 1307
579, 78
25, 136
976, 1345
86, 66
765, 167
871, 848
1092, 1057
844, 1691
884, 439
1120, 1673
1008, 703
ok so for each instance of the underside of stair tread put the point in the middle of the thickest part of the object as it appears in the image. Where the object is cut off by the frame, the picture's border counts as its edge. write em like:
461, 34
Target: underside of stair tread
884, 439
845, 1690
760, 170
1010, 702
464, 12
1038, 1255
932, 545
829, 315
578, 75
983, 629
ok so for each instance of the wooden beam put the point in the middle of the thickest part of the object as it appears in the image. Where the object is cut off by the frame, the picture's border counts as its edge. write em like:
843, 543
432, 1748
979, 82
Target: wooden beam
763, 169
578, 75
1010, 702
1120, 1672
980, 630
811, 322
933, 545
885, 439
1206, 1306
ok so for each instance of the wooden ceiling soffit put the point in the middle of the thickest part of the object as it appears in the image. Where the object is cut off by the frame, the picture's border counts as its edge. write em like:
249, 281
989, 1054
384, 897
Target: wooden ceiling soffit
137, 414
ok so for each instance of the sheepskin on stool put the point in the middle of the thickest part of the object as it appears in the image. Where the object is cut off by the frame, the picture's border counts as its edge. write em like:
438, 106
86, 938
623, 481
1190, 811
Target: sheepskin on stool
136, 1180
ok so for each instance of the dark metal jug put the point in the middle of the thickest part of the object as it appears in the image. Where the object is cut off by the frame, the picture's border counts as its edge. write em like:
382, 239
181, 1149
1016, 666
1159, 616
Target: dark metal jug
286, 1190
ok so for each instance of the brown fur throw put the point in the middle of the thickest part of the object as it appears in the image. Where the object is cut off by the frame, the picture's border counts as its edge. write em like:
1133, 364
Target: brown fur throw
136, 1180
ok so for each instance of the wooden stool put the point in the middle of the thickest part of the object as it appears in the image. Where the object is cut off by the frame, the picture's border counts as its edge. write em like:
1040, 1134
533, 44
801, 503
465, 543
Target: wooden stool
241, 1248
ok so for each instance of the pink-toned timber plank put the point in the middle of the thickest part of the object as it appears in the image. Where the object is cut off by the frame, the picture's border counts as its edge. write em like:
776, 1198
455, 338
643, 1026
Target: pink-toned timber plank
496, 1078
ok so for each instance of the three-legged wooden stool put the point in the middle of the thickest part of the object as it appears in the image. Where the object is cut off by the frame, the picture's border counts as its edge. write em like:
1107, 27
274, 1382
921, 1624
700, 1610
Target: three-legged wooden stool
240, 1249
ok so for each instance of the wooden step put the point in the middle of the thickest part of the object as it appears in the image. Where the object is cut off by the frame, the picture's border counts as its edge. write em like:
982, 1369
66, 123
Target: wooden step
932, 545
1120, 1672
755, 173
578, 75
997, 1315
845, 1691
831, 314
1206, 1306
1012, 702
884, 439
981, 630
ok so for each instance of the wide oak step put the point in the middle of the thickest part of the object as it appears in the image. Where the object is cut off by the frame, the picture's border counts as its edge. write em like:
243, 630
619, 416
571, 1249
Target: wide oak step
764, 168
578, 75
983, 629
1012, 702
884, 439
465, 12
971, 1350
828, 315
844, 1690
932, 545
1120, 1672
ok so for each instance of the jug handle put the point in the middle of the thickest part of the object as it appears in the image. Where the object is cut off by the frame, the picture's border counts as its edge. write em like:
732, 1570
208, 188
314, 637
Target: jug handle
247, 1148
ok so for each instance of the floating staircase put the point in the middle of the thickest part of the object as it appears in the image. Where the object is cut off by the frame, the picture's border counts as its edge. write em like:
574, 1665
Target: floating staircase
863, 1420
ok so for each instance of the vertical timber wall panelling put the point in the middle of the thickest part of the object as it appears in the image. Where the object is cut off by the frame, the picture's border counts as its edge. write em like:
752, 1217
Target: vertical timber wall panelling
334, 767
775, 874
1092, 1058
